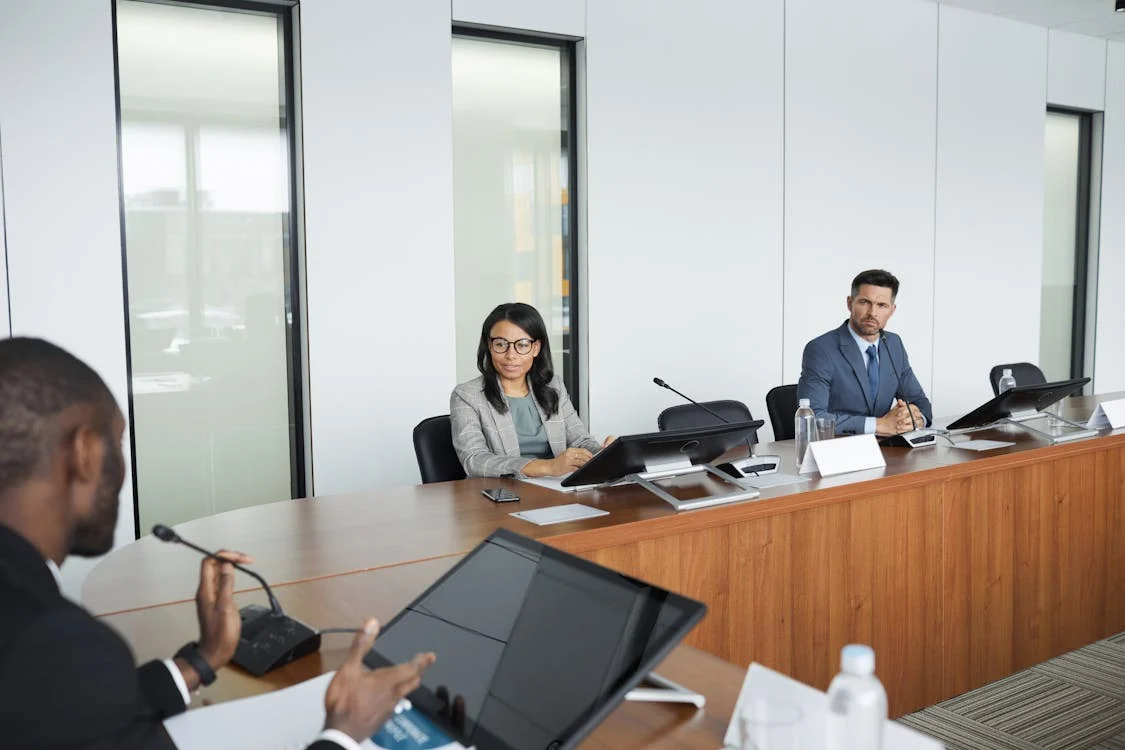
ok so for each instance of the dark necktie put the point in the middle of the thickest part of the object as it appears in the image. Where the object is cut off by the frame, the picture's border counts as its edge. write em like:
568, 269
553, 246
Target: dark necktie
873, 371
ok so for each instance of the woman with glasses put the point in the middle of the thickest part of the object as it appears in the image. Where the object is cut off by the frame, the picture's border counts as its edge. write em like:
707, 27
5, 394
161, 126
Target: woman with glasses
516, 418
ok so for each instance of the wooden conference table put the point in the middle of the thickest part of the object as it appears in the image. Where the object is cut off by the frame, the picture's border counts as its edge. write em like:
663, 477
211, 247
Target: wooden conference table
959, 568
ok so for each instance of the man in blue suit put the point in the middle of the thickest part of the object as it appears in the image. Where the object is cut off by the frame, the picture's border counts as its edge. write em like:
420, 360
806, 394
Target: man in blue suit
859, 373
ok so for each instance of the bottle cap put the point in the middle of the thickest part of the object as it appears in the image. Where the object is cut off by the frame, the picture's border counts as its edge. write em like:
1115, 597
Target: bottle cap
857, 659
1007, 372
802, 402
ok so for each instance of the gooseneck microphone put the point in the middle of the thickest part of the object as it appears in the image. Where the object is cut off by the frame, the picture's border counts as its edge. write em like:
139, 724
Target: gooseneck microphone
269, 638
165, 534
713, 413
755, 465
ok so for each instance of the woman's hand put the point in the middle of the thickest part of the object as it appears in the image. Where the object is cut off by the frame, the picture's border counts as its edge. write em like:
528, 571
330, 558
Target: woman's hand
564, 463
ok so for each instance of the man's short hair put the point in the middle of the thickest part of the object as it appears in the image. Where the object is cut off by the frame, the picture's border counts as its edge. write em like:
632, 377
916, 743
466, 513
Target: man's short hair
38, 381
876, 277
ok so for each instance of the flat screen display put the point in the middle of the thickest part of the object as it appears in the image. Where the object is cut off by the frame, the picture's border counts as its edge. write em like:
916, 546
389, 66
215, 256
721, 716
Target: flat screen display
541, 645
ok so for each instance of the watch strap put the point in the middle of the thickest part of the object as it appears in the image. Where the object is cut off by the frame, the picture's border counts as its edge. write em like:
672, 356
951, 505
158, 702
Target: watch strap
190, 653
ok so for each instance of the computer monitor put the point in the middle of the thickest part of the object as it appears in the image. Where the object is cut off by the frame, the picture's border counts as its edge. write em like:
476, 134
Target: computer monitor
540, 645
650, 457
1022, 398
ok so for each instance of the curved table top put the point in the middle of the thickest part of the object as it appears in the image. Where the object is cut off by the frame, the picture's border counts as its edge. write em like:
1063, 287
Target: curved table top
301, 540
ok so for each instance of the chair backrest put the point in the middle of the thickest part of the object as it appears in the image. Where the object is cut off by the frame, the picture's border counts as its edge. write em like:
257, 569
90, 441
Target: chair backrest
781, 403
1025, 373
687, 416
433, 447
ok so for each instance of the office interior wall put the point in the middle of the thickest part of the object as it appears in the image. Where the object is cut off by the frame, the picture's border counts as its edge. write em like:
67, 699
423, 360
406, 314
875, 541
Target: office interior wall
62, 215
1109, 354
559, 17
5, 322
376, 87
1075, 71
989, 233
684, 176
859, 165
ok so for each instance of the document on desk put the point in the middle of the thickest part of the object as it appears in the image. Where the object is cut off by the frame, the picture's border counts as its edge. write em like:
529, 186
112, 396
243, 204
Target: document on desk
982, 445
776, 688
555, 483
290, 719
559, 514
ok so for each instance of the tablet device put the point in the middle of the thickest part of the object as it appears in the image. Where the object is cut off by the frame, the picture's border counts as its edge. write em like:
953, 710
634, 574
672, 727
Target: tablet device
540, 644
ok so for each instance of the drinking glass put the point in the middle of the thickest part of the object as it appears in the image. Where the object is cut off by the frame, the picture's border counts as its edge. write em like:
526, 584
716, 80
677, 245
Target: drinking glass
825, 428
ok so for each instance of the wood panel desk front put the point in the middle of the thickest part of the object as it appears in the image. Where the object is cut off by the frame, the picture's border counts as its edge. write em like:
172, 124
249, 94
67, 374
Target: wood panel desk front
959, 568
346, 600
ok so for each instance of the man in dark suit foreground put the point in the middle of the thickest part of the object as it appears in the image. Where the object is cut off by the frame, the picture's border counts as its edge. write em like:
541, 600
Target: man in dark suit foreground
66, 679
859, 373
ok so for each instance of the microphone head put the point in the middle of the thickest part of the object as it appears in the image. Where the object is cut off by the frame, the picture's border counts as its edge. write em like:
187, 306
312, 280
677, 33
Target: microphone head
164, 534
660, 382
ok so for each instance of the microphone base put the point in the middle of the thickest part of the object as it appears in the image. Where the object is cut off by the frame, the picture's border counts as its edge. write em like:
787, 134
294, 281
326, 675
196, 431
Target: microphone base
751, 466
912, 439
270, 641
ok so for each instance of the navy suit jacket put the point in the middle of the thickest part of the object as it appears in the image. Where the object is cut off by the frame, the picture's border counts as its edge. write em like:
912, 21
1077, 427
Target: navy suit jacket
834, 380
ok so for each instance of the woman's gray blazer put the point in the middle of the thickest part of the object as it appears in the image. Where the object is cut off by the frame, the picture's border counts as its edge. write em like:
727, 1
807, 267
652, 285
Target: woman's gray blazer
486, 441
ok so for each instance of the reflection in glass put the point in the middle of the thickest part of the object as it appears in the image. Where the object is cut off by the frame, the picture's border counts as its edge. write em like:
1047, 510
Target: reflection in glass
205, 173
511, 190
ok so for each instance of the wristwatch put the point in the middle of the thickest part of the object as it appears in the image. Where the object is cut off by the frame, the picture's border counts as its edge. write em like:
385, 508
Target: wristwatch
190, 653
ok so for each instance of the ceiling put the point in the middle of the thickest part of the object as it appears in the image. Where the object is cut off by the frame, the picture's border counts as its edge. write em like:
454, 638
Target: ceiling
1089, 17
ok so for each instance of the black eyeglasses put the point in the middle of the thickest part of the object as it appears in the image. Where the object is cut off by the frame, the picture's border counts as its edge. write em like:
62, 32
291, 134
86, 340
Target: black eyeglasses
500, 345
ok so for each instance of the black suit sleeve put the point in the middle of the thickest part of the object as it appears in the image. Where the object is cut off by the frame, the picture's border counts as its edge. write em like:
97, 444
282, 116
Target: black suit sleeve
160, 690
69, 681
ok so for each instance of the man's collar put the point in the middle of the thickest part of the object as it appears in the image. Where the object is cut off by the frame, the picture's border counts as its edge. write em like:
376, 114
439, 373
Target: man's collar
859, 340
55, 572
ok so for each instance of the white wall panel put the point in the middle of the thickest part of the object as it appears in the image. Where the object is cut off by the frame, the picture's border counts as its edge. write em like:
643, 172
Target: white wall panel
861, 96
1075, 71
561, 17
990, 139
684, 118
62, 214
1109, 352
5, 322
377, 91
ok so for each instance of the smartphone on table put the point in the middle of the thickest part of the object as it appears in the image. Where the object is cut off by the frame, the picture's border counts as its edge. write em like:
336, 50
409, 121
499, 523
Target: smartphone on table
500, 495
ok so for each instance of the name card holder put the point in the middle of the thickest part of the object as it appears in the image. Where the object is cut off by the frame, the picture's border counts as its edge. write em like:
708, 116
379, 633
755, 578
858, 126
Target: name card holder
843, 455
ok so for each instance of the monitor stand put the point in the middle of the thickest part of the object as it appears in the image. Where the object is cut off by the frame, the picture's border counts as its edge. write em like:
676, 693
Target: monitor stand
1060, 430
683, 467
665, 691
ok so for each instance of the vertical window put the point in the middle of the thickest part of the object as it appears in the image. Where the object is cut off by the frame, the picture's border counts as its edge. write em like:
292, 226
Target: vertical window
1066, 230
206, 168
514, 175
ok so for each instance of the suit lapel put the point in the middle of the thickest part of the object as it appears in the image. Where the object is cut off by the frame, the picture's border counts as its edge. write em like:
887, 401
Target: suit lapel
851, 354
506, 429
556, 430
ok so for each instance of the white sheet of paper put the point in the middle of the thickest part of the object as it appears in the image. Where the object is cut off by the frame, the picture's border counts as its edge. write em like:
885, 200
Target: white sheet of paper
813, 705
555, 483
1108, 414
559, 514
287, 719
772, 480
845, 454
982, 445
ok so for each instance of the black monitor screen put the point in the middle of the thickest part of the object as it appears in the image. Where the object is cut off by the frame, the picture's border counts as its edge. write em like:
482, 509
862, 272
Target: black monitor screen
1018, 399
540, 644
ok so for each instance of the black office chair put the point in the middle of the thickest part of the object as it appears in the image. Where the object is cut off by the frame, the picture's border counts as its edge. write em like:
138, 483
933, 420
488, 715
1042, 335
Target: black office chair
433, 447
1025, 373
686, 416
781, 403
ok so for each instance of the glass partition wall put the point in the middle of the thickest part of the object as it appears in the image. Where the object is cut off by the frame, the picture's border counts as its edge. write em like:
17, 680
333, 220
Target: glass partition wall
206, 165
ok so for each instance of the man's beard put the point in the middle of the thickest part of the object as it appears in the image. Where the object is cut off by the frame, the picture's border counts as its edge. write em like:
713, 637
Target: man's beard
94, 536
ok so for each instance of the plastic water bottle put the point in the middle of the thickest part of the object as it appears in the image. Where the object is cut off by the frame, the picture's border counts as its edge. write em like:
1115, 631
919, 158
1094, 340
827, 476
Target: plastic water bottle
857, 703
804, 426
1007, 380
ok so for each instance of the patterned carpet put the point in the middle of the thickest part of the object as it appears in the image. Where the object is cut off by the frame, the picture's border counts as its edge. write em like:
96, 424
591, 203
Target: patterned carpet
1073, 702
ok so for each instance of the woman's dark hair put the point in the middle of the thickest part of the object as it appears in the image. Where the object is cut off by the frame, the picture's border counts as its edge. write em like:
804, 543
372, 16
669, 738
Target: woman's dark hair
542, 371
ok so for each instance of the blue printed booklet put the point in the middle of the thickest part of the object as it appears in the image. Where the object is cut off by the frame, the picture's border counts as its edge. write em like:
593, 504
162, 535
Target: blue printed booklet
412, 730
